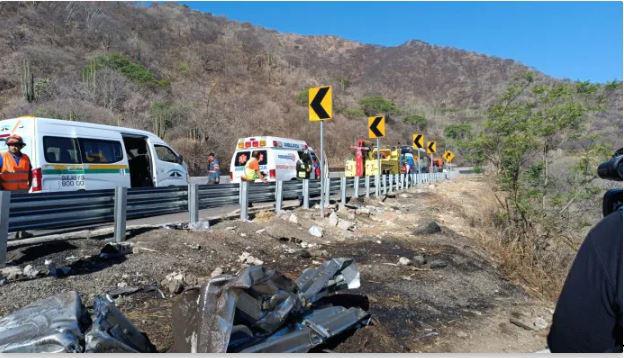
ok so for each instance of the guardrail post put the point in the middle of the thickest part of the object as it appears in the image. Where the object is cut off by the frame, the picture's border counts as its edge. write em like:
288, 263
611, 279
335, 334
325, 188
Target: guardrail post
407, 180
367, 185
306, 193
193, 203
121, 201
383, 184
242, 195
356, 187
377, 185
327, 190
278, 196
343, 191
402, 180
5, 203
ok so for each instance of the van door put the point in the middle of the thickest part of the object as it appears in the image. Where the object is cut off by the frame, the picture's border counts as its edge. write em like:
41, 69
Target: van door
168, 169
104, 166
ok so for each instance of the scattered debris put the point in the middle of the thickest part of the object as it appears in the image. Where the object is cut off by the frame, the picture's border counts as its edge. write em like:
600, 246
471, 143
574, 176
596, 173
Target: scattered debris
271, 312
404, 261
174, 282
114, 250
315, 231
437, 263
293, 219
521, 323
111, 332
432, 227
419, 260
246, 258
60, 324
30, 272
230, 228
11, 273
193, 246
56, 271
122, 290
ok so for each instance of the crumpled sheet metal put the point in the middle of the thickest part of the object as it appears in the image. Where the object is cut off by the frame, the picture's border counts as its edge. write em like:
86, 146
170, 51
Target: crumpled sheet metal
262, 310
57, 324
51, 325
111, 332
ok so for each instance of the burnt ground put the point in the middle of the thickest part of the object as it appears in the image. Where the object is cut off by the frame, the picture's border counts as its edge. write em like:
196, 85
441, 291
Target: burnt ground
461, 303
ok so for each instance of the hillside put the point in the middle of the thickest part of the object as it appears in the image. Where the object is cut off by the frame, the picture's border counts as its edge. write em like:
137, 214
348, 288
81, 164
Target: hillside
202, 81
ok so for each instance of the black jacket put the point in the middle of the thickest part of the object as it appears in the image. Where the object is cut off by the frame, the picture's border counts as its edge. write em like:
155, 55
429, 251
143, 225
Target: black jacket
588, 317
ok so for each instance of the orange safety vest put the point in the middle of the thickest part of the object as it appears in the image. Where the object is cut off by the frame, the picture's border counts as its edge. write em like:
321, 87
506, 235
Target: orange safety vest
14, 176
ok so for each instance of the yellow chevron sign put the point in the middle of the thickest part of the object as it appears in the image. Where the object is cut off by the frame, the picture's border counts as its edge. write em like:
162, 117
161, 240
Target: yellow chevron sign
448, 156
431, 147
418, 140
320, 103
376, 127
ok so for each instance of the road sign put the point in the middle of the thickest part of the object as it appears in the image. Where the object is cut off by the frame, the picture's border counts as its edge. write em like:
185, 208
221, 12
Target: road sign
418, 140
320, 103
448, 156
376, 126
431, 147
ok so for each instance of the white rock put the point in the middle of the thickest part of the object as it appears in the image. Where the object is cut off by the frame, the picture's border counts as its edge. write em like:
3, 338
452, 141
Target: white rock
293, 219
11, 272
333, 219
260, 231
315, 231
30, 271
246, 258
404, 261
242, 234
230, 228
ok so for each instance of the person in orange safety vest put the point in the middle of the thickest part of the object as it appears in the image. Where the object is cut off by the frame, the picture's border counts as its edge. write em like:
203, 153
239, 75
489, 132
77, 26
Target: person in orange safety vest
15, 167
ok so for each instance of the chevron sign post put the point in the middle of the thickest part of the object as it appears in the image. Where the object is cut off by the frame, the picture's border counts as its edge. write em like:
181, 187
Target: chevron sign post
320, 110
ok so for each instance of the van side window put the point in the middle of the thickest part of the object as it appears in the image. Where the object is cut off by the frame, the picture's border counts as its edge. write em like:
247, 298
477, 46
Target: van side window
61, 150
100, 151
166, 154
241, 159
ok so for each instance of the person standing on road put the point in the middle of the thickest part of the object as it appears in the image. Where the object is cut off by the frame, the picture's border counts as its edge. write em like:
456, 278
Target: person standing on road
252, 168
15, 167
213, 169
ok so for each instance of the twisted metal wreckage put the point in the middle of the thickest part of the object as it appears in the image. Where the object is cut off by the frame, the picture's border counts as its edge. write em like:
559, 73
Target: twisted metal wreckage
259, 310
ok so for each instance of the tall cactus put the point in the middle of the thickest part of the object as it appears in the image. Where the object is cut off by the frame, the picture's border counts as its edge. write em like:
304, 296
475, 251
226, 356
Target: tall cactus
28, 82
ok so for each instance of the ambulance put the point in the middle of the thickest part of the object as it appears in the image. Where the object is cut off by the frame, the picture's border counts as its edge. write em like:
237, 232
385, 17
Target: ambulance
75, 156
279, 157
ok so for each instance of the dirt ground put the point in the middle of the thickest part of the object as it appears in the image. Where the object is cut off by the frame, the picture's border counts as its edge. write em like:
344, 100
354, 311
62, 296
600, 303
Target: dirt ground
456, 301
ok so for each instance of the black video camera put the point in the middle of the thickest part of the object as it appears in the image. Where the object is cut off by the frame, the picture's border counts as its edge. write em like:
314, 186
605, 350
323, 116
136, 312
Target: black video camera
612, 170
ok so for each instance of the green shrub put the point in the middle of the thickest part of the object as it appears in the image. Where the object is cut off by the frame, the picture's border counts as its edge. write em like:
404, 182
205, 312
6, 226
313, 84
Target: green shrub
354, 113
416, 120
373, 105
133, 71
302, 98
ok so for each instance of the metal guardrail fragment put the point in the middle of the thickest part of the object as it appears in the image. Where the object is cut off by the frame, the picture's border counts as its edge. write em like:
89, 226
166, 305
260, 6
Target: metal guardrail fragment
261, 310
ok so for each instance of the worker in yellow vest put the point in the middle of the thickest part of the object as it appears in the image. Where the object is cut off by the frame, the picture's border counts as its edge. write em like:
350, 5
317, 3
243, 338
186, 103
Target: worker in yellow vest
15, 168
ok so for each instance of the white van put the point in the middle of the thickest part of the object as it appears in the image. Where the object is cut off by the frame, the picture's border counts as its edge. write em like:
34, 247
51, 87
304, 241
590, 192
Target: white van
279, 160
69, 156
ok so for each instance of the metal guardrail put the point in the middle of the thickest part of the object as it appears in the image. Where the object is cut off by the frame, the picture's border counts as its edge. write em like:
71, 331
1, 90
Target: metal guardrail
89, 208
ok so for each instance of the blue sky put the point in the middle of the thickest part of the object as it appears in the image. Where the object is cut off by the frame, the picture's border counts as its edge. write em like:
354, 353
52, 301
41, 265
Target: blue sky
573, 40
